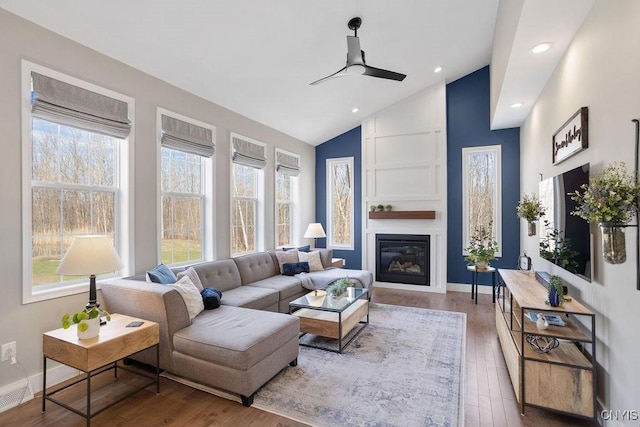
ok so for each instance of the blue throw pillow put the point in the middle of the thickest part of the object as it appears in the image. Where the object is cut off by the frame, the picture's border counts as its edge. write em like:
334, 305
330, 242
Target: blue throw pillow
306, 248
291, 268
211, 298
162, 274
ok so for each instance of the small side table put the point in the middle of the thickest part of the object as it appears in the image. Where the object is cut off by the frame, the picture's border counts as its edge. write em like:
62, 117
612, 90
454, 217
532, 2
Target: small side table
474, 280
337, 262
94, 356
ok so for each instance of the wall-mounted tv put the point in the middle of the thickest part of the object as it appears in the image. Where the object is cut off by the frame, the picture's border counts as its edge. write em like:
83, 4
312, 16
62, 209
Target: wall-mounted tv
565, 239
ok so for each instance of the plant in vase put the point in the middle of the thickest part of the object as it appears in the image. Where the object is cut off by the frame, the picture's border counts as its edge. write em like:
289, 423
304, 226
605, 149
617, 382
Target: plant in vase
611, 200
531, 209
482, 248
88, 321
339, 287
556, 291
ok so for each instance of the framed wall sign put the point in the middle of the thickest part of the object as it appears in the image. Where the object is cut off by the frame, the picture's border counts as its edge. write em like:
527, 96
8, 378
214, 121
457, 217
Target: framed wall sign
572, 137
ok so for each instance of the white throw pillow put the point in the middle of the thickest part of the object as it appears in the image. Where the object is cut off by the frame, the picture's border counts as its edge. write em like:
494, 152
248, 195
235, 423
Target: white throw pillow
190, 295
313, 258
287, 256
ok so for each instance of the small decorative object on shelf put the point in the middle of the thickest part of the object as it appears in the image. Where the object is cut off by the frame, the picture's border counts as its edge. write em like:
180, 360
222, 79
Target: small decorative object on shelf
380, 208
387, 208
524, 262
556, 291
372, 208
542, 323
542, 344
531, 209
610, 199
482, 247
88, 321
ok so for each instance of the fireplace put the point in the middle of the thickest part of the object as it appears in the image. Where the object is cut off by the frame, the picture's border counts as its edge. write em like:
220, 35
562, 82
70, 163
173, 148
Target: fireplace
403, 258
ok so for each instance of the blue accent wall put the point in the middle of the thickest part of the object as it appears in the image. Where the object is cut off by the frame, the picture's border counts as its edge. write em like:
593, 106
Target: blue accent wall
349, 144
468, 121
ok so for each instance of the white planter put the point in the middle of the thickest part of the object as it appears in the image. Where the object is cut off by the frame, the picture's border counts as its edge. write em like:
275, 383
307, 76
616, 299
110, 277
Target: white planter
91, 332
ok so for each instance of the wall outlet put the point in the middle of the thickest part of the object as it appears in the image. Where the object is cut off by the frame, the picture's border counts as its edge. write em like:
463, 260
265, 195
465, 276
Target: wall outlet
8, 350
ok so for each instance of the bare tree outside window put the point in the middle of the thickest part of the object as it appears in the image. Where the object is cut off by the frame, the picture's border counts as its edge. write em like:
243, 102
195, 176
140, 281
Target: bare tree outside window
73, 192
340, 202
283, 209
244, 185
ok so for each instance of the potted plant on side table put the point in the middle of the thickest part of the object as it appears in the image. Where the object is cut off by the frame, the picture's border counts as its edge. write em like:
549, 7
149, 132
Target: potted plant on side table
88, 321
610, 199
482, 248
531, 209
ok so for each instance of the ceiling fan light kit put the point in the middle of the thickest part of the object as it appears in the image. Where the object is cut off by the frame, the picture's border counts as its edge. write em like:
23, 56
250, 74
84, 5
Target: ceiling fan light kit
356, 64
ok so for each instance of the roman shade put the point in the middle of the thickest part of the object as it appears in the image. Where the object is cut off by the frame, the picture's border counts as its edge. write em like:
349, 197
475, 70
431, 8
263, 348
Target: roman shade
70, 105
248, 153
187, 137
287, 164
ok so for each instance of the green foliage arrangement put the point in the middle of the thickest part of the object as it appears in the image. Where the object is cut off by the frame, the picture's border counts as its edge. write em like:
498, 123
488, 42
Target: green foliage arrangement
611, 197
555, 248
339, 286
556, 283
87, 313
482, 246
530, 207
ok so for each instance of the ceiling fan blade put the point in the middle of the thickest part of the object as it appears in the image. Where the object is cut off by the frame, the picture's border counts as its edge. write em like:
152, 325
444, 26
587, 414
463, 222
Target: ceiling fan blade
383, 74
338, 73
354, 54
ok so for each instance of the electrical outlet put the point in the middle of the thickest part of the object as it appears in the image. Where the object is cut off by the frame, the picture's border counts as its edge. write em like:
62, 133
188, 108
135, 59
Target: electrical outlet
8, 350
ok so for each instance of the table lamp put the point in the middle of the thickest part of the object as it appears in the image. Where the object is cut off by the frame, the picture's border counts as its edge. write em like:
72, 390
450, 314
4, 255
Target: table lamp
88, 256
314, 231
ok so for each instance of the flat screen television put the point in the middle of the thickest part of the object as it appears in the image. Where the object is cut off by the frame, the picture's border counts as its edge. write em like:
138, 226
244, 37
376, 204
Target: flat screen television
565, 239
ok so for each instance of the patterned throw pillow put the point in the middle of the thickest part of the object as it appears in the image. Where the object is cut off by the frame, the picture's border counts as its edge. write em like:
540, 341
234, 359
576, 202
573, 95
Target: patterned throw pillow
286, 256
190, 295
193, 275
313, 258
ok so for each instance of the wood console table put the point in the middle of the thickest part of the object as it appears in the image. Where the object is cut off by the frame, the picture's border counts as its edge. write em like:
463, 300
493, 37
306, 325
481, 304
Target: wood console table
564, 379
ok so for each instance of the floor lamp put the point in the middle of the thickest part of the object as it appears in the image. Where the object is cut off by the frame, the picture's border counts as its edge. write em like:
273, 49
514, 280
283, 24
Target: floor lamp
314, 231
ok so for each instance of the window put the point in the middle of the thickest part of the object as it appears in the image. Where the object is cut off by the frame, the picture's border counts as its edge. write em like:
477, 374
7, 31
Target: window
75, 174
186, 150
340, 203
248, 160
481, 189
287, 170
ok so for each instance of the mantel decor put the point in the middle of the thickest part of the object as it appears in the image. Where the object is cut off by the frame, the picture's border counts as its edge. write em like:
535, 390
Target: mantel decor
572, 137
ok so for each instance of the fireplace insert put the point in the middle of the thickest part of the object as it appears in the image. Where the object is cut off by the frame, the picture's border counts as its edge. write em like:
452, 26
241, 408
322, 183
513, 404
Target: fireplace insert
403, 258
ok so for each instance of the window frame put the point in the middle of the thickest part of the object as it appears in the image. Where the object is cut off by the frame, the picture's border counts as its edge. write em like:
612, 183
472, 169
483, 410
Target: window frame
207, 177
258, 200
123, 204
330, 162
496, 150
293, 201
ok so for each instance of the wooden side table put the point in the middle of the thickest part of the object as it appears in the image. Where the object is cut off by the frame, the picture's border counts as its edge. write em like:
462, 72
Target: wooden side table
337, 262
94, 356
474, 280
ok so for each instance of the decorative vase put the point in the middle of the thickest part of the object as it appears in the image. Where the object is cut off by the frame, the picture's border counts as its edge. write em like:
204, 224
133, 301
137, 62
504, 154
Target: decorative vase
531, 228
482, 265
613, 243
554, 298
92, 331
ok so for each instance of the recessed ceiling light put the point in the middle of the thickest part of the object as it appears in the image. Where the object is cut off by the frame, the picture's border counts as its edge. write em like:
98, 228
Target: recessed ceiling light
437, 69
355, 110
541, 47
516, 105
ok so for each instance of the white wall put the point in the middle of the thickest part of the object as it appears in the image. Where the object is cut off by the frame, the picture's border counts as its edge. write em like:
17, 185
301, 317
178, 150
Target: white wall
21, 39
600, 70
404, 164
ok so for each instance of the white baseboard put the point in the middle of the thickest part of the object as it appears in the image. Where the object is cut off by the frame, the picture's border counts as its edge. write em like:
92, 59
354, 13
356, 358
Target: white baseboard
406, 287
55, 375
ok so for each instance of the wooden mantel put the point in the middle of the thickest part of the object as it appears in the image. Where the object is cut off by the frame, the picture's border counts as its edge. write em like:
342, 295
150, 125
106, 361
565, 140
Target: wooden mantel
403, 215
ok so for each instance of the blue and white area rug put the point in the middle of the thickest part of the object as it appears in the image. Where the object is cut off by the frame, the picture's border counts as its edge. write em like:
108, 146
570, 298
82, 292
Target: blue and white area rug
404, 369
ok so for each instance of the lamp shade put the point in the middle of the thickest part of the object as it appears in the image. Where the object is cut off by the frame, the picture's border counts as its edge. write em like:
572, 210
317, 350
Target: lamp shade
314, 230
89, 255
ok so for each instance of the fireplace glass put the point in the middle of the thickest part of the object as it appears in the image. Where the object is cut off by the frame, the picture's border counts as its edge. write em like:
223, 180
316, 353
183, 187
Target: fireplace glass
403, 258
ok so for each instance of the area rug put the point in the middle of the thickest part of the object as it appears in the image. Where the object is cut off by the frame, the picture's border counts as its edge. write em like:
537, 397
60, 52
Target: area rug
404, 369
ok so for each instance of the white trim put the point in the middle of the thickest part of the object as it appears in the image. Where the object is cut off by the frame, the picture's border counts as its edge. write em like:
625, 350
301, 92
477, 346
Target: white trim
329, 164
497, 197
123, 221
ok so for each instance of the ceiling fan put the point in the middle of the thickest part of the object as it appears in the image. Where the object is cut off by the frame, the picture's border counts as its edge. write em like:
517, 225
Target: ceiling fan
356, 64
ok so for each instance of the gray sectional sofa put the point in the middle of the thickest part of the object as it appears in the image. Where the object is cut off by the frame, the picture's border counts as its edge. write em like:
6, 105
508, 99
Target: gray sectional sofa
242, 344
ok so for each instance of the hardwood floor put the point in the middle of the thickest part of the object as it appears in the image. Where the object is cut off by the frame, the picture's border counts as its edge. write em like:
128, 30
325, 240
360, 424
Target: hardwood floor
489, 398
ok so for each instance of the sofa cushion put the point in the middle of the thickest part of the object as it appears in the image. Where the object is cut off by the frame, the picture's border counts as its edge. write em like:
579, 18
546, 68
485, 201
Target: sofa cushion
235, 337
287, 286
251, 297
222, 274
291, 268
193, 275
190, 294
162, 274
313, 258
286, 257
254, 267
211, 298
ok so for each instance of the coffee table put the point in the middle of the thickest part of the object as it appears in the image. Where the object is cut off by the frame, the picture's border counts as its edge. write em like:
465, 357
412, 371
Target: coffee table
331, 317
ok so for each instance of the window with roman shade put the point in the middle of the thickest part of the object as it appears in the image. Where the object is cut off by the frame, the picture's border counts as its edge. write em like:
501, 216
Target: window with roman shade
248, 153
286, 197
186, 137
287, 164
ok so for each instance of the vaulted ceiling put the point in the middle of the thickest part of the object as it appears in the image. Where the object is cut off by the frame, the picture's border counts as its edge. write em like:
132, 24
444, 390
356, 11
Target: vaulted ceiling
257, 57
